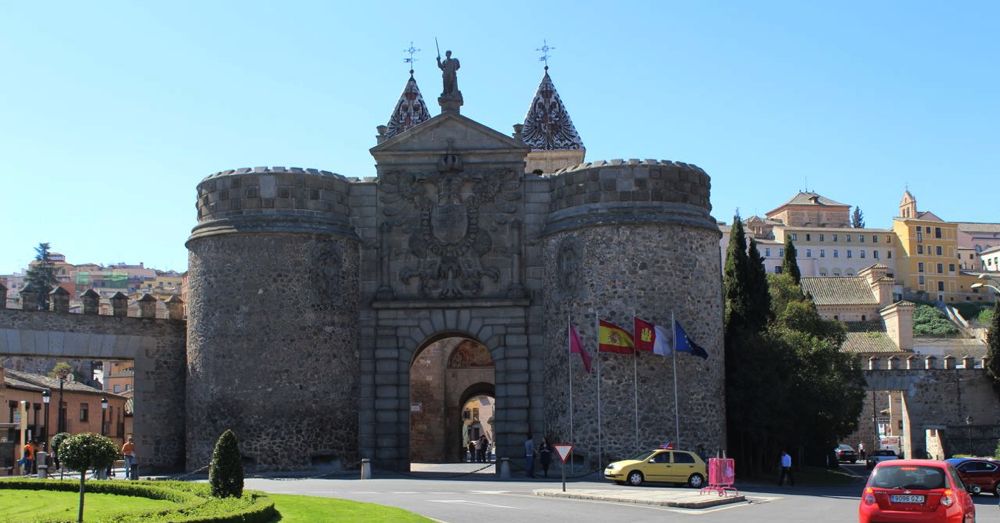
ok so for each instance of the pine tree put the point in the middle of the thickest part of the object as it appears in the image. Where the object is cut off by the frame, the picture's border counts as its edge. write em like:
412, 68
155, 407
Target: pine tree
226, 471
858, 218
790, 264
993, 346
734, 281
759, 311
41, 275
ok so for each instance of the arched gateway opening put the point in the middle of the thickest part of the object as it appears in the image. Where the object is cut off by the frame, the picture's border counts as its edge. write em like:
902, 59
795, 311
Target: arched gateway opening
452, 399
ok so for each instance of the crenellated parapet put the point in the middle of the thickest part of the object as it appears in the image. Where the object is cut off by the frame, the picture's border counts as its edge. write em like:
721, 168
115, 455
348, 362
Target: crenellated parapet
630, 191
91, 301
274, 199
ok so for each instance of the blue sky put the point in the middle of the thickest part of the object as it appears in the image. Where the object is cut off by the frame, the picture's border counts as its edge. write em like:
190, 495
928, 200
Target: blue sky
111, 112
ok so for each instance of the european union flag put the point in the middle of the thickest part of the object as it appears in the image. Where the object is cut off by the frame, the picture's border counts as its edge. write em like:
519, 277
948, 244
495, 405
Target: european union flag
682, 343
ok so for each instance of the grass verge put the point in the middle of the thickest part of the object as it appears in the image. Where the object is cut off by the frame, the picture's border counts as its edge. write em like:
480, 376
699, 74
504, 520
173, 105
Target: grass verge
296, 509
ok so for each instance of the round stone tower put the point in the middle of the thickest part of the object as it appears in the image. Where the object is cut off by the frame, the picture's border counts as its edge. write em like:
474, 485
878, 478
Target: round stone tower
624, 238
272, 319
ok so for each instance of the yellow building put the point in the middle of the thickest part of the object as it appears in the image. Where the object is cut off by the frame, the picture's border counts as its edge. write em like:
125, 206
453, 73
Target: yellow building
927, 259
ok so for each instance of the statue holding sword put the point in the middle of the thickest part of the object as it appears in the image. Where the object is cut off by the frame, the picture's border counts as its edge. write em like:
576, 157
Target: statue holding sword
449, 73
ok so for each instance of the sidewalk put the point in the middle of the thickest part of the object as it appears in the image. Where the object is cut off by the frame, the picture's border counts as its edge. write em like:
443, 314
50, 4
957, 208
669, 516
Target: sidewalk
647, 496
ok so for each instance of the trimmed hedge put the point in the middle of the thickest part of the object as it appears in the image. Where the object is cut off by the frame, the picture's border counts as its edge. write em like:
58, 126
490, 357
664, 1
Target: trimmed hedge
195, 502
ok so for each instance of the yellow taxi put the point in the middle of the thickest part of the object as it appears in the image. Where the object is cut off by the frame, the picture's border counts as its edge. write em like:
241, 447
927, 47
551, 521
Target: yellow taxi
660, 465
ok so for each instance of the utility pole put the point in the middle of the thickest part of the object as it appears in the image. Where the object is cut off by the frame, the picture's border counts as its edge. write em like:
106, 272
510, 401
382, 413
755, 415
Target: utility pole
876, 446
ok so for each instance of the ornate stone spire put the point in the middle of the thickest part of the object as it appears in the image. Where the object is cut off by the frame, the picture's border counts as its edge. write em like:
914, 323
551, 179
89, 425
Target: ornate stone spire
548, 127
410, 111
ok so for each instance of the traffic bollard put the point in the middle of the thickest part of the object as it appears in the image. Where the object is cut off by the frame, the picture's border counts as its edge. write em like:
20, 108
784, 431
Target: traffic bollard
366, 468
504, 468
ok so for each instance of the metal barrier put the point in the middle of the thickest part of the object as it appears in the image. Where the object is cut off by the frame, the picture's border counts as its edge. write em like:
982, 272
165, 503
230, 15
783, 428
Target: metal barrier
721, 476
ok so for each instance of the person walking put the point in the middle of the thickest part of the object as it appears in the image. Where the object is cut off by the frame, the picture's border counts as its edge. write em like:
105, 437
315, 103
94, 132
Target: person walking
128, 451
861, 451
529, 456
786, 470
481, 447
545, 456
472, 451
29, 457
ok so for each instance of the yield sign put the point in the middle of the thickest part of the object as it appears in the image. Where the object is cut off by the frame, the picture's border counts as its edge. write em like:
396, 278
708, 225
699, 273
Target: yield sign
563, 449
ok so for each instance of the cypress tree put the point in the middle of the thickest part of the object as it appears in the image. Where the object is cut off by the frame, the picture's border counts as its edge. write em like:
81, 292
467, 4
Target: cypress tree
734, 280
858, 218
759, 311
226, 471
42, 275
790, 265
993, 346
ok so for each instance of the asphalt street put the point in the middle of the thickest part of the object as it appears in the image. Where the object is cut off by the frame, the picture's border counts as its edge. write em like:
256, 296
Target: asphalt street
478, 498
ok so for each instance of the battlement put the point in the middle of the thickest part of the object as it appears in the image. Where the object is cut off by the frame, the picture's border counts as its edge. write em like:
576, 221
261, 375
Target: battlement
93, 305
290, 199
630, 191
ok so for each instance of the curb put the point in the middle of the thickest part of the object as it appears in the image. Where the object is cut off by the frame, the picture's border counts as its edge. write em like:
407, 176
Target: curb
706, 503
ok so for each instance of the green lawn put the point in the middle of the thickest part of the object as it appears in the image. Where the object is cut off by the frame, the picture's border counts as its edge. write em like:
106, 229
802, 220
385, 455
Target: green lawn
294, 509
33, 505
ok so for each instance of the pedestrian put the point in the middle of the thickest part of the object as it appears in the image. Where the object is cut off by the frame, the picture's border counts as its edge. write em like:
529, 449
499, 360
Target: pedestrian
128, 450
29, 457
545, 455
861, 451
529, 456
472, 451
481, 446
786, 470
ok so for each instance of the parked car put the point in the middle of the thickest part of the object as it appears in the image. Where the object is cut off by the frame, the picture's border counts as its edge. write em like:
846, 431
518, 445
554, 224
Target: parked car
915, 491
879, 456
845, 452
660, 465
979, 475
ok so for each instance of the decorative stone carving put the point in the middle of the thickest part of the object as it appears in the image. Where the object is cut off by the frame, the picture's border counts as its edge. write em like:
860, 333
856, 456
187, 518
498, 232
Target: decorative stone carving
326, 279
568, 263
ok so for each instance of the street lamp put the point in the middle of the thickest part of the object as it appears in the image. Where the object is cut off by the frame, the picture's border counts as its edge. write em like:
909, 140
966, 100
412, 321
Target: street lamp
989, 282
46, 397
62, 374
104, 412
968, 427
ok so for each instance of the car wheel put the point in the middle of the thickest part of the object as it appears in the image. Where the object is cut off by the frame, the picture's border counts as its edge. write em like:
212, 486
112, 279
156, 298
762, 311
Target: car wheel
696, 481
996, 490
975, 490
853, 461
635, 478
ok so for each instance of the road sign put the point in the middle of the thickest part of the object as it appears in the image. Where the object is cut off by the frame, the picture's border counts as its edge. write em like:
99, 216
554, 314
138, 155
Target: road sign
563, 449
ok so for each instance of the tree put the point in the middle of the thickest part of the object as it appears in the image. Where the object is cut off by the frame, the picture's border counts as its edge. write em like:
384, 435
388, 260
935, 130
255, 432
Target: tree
993, 346
41, 275
84, 452
56, 441
734, 280
790, 264
858, 218
61, 369
759, 310
226, 471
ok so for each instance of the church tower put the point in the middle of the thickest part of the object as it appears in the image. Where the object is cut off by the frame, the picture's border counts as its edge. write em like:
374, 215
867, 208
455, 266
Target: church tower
908, 206
550, 132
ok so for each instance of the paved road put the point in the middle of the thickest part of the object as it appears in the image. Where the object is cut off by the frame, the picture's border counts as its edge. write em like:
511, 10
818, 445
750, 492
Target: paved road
479, 498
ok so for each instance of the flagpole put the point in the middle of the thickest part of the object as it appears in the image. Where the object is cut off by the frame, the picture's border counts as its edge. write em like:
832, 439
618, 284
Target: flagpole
677, 417
635, 382
600, 448
569, 372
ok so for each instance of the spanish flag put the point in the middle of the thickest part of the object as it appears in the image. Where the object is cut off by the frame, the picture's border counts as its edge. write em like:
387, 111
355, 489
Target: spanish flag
612, 338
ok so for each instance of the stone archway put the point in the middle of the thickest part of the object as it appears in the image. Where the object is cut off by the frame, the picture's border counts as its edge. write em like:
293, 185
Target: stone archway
444, 375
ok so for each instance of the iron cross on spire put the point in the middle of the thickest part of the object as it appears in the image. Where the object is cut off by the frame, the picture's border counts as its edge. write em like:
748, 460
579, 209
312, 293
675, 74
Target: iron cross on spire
410, 51
544, 49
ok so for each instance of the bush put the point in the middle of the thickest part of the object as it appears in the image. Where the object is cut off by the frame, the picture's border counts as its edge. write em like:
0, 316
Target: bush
929, 321
226, 471
56, 441
87, 451
996, 453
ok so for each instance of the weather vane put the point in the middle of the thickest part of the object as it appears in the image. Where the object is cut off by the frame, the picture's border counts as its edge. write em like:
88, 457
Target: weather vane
411, 51
545, 53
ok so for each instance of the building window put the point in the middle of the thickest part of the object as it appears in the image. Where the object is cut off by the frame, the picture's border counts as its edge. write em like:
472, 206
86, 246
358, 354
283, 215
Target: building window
888, 254
920, 279
834, 236
940, 285
939, 250
767, 251
928, 229
920, 249
822, 272
836, 253
940, 268
794, 236
951, 267
847, 238
920, 235
836, 272
821, 237
920, 267
117, 388
937, 232
809, 253
781, 252
822, 253
84, 412
128, 387
777, 269
808, 237
874, 238
861, 238
850, 254
862, 253
875, 254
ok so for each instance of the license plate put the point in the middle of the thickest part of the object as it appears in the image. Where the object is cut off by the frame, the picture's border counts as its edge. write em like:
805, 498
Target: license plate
906, 498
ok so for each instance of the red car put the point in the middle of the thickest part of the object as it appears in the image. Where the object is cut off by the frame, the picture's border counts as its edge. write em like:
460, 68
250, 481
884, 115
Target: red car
980, 475
915, 491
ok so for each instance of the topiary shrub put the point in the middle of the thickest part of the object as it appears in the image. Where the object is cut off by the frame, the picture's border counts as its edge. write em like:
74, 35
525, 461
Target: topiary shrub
87, 451
56, 441
226, 471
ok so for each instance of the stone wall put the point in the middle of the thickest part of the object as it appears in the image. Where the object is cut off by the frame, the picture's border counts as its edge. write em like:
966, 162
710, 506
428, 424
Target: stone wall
155, 345
649, 248
272, 322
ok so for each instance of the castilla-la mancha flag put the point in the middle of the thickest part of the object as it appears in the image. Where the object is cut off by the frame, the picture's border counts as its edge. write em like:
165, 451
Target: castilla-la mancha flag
650, 337
612, 338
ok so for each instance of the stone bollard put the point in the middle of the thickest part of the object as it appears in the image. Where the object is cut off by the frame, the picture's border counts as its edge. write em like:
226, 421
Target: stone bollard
41, 460
366, 468
504, 468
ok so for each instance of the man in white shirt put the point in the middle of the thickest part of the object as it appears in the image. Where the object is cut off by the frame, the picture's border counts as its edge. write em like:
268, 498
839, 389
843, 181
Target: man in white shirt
786, 470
